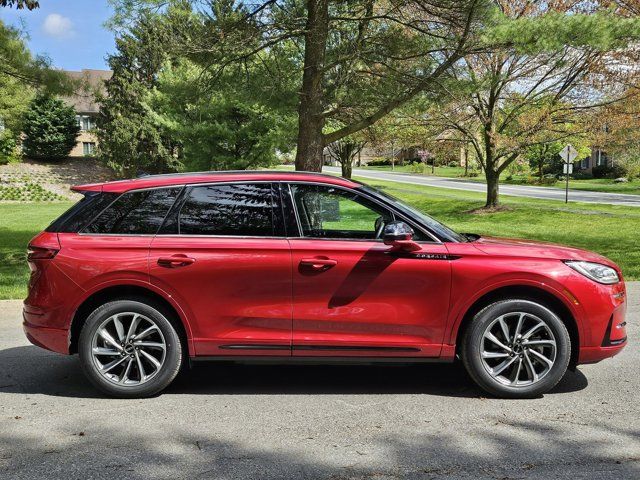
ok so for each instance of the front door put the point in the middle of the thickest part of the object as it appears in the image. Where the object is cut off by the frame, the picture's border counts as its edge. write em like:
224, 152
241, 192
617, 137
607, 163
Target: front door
222, 254
352, 297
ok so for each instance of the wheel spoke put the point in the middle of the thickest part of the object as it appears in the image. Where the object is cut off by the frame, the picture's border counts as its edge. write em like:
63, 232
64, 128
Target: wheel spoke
110, 366
533, 330
119, 328
145, 333
150, 345
501, 368
151, 358
109, 339
143, 374
491, 337
486, 354
125, 375
516, 376
541, 357
539, 342
533, 375
132, 327
519, 325
505, 329
105, 351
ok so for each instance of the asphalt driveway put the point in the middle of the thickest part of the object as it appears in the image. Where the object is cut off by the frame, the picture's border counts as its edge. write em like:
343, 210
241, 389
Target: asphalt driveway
291, 422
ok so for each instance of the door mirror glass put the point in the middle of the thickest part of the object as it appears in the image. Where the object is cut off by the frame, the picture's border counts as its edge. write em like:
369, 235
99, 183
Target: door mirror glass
399, 235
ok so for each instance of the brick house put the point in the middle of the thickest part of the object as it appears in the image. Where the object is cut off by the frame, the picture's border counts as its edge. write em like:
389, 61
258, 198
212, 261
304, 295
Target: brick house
598, 157
86, 107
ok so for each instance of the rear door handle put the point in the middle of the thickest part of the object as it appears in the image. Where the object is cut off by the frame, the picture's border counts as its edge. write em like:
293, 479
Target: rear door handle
175, 261
318, 263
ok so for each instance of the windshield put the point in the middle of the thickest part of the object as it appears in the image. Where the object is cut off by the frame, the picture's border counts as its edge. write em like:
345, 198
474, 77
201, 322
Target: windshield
442, 231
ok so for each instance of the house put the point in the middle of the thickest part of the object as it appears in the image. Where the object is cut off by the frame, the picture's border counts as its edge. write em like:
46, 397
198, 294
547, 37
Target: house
597, 158
91, 83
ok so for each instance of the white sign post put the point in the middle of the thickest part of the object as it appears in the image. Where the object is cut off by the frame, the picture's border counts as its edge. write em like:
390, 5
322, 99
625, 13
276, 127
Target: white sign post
568, 154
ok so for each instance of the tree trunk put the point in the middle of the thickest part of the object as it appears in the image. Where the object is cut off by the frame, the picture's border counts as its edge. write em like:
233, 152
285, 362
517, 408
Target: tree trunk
492, 188
310, 117
347, 167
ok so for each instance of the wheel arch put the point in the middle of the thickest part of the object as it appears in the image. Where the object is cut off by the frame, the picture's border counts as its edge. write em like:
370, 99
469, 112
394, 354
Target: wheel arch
115, 292
524, 292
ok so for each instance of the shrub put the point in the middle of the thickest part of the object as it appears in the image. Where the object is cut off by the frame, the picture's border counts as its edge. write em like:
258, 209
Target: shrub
8, 148
606, 171
29, 192
50, 129
379, 162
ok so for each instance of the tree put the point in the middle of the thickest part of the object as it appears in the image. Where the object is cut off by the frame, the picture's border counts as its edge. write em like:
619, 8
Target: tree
220, 129
19, 4
534, 89
354, 62
50, 129
344, 151
545, 157
130, 140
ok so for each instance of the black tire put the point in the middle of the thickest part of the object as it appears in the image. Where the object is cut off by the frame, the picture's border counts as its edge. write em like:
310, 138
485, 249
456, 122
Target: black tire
472, 345
173, 357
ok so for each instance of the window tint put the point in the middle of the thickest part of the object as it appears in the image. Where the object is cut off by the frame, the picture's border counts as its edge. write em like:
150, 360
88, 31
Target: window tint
136, 212
329, 212
74, 219
238, 209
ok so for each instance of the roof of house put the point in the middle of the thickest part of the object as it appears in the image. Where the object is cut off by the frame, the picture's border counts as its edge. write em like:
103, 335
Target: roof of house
91, 82
153, 181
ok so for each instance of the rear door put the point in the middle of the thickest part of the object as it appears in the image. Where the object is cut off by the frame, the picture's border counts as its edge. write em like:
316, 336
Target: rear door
352, 297
223, 255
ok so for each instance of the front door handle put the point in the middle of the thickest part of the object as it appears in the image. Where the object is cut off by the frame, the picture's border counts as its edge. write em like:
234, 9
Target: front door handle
318, 263
175, 261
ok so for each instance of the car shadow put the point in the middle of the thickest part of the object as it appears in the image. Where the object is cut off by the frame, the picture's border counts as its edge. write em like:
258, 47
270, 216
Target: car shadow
31, 370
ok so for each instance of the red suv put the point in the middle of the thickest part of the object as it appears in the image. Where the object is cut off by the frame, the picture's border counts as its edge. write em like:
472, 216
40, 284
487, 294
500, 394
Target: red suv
142, 274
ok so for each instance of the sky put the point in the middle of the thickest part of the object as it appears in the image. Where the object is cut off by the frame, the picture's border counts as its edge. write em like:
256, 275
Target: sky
70, 32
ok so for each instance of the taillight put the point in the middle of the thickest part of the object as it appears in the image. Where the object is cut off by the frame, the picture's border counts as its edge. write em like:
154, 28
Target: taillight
39, 253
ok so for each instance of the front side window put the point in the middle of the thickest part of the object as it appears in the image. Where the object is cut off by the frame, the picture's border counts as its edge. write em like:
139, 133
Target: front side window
245, 210
140, 212
329, 212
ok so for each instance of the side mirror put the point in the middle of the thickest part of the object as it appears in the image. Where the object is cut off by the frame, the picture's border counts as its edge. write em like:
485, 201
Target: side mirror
399, 236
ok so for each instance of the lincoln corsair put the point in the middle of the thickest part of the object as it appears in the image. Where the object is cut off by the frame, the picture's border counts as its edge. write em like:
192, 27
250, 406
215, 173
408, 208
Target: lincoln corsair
143, 276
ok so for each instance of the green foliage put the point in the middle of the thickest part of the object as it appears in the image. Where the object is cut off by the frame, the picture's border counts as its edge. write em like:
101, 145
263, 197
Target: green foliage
130, 141
609, 171
29, 192
50, 129
555, 30
219, 128
8, 148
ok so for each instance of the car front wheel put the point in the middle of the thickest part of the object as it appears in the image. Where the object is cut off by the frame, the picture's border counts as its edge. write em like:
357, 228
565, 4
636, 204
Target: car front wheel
516, 349
130, 349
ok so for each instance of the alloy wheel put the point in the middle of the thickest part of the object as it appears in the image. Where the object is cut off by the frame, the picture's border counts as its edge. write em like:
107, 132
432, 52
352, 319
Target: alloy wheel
518, 349
128, 349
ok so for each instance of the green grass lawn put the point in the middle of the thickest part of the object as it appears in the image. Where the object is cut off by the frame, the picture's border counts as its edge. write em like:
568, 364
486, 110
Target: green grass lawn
609, 230
19, 222
592, 184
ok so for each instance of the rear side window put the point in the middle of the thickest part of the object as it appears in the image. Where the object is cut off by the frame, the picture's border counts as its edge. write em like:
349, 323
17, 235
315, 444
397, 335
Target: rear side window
235, 210
75, 219
140, 212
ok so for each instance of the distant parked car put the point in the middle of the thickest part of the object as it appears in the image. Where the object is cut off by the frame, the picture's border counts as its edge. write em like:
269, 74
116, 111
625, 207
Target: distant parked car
141, 274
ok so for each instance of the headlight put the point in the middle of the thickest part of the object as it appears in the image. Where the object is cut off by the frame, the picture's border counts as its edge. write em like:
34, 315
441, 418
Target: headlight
595, 271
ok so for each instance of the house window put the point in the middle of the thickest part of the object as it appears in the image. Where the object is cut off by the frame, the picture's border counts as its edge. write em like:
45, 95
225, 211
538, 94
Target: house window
584, 163
601, 158
85, 122
88, 148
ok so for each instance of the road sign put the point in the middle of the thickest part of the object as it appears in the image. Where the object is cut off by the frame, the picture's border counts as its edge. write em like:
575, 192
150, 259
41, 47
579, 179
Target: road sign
568, 153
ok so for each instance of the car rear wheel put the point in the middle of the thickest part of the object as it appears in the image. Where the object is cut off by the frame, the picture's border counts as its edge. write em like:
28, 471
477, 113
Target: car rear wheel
130, 349
516, 349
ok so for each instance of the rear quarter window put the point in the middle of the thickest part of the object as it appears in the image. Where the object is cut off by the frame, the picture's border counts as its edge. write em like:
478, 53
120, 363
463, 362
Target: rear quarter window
83, 212
135, 213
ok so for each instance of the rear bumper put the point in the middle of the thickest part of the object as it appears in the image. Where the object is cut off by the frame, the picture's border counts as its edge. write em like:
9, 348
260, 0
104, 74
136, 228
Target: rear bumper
54, 339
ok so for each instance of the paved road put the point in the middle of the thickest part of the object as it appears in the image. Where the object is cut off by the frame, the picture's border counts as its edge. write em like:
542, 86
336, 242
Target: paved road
545, 193
241, 422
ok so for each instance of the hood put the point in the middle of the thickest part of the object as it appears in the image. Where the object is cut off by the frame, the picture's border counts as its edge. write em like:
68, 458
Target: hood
537, 249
